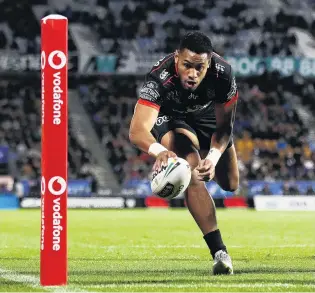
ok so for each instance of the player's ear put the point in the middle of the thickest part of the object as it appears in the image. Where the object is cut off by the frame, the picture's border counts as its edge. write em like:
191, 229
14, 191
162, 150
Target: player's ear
209, 60
176, 56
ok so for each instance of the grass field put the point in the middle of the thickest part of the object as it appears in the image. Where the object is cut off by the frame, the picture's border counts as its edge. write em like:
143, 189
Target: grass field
162, 250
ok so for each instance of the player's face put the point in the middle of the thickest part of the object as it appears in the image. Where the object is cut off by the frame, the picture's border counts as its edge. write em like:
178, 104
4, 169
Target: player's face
191, 68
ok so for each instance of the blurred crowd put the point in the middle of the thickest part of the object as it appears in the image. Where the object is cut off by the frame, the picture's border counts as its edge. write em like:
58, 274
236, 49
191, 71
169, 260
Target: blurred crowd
20, 130
270, 137
238, 27
271, 140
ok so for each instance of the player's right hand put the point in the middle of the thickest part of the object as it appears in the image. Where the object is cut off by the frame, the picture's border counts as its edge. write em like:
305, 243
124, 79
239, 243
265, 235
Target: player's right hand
162, 158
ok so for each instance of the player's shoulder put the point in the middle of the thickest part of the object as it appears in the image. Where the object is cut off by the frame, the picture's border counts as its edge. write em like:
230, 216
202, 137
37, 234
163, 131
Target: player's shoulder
220, 68
163, 68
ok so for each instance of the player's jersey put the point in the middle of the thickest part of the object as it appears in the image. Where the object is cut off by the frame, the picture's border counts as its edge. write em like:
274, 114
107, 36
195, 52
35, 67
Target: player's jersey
162, 89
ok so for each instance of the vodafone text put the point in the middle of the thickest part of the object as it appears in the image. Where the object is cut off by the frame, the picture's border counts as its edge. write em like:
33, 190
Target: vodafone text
57, 91
56, 224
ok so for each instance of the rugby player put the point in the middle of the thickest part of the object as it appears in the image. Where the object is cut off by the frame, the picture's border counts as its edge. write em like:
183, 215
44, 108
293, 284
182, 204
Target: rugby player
187, 109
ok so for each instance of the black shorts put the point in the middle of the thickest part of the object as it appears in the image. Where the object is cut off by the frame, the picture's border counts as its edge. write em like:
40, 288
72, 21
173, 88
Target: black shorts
203, 127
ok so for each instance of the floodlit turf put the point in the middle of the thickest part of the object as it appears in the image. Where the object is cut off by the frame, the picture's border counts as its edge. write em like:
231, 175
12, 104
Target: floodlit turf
162, 250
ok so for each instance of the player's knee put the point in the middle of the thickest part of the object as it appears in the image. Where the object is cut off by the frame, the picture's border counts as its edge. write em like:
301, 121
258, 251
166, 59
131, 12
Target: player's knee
185, 149
194, 181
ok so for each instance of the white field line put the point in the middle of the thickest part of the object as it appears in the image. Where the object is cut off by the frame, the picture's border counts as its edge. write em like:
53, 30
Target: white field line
112, 247
198, 285
163, 246
34, 282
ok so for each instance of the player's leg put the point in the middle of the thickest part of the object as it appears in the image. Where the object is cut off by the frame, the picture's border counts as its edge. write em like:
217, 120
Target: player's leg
199, 202
178, 136
204, 128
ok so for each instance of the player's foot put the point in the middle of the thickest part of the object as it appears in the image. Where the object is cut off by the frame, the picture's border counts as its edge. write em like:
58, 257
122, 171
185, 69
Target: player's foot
222, 264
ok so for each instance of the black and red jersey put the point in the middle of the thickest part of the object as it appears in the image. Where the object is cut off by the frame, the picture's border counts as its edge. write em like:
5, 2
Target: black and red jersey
162, 88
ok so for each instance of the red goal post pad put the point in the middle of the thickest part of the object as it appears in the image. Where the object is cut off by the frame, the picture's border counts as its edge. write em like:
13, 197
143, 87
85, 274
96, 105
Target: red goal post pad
54, 157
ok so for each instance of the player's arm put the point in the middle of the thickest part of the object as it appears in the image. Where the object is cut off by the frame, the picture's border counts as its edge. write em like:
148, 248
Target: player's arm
140, 134
143, 120
225, 116
225, 108
141, 125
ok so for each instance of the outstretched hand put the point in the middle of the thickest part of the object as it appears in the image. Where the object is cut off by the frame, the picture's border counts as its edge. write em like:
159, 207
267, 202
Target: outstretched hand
206, 170
162, 159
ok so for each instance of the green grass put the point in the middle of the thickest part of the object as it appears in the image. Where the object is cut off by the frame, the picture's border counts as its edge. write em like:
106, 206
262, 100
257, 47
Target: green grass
163, 250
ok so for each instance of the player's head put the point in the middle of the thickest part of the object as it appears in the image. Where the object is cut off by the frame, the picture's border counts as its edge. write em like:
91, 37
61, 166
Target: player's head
192, 59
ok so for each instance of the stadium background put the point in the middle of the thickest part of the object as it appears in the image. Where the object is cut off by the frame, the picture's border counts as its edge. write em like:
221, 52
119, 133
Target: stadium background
112, 44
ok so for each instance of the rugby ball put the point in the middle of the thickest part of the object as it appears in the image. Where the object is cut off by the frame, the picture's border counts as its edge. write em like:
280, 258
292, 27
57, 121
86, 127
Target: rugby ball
171, 180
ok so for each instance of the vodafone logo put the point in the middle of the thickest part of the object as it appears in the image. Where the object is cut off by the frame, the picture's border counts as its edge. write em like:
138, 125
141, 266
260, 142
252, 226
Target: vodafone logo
43, 59
61, 56
62, 185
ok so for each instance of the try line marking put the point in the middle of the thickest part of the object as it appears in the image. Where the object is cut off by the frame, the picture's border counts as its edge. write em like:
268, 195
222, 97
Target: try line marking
191, 246
198, 285
33, 282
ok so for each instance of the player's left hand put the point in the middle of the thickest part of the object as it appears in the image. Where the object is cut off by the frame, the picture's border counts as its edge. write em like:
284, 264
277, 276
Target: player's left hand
206, 170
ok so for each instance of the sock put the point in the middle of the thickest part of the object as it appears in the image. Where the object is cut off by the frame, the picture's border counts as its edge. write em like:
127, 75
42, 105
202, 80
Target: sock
214, 242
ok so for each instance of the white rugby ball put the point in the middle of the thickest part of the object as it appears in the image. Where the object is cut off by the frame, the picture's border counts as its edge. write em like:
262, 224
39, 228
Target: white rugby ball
171, 180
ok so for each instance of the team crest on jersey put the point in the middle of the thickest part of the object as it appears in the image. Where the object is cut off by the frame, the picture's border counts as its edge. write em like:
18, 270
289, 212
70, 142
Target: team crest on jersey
164, 74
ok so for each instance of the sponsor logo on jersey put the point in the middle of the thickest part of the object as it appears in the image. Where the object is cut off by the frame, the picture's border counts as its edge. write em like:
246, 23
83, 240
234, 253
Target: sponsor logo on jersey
164, 74
192, 97
194, 108
152, 85
149, 92
162, 119
219, 67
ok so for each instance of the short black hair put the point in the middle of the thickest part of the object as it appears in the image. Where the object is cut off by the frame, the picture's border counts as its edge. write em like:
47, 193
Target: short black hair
197, 42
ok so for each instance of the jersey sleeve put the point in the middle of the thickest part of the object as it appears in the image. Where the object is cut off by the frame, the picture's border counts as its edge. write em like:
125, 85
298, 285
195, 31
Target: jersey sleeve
151, 93
227, 92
